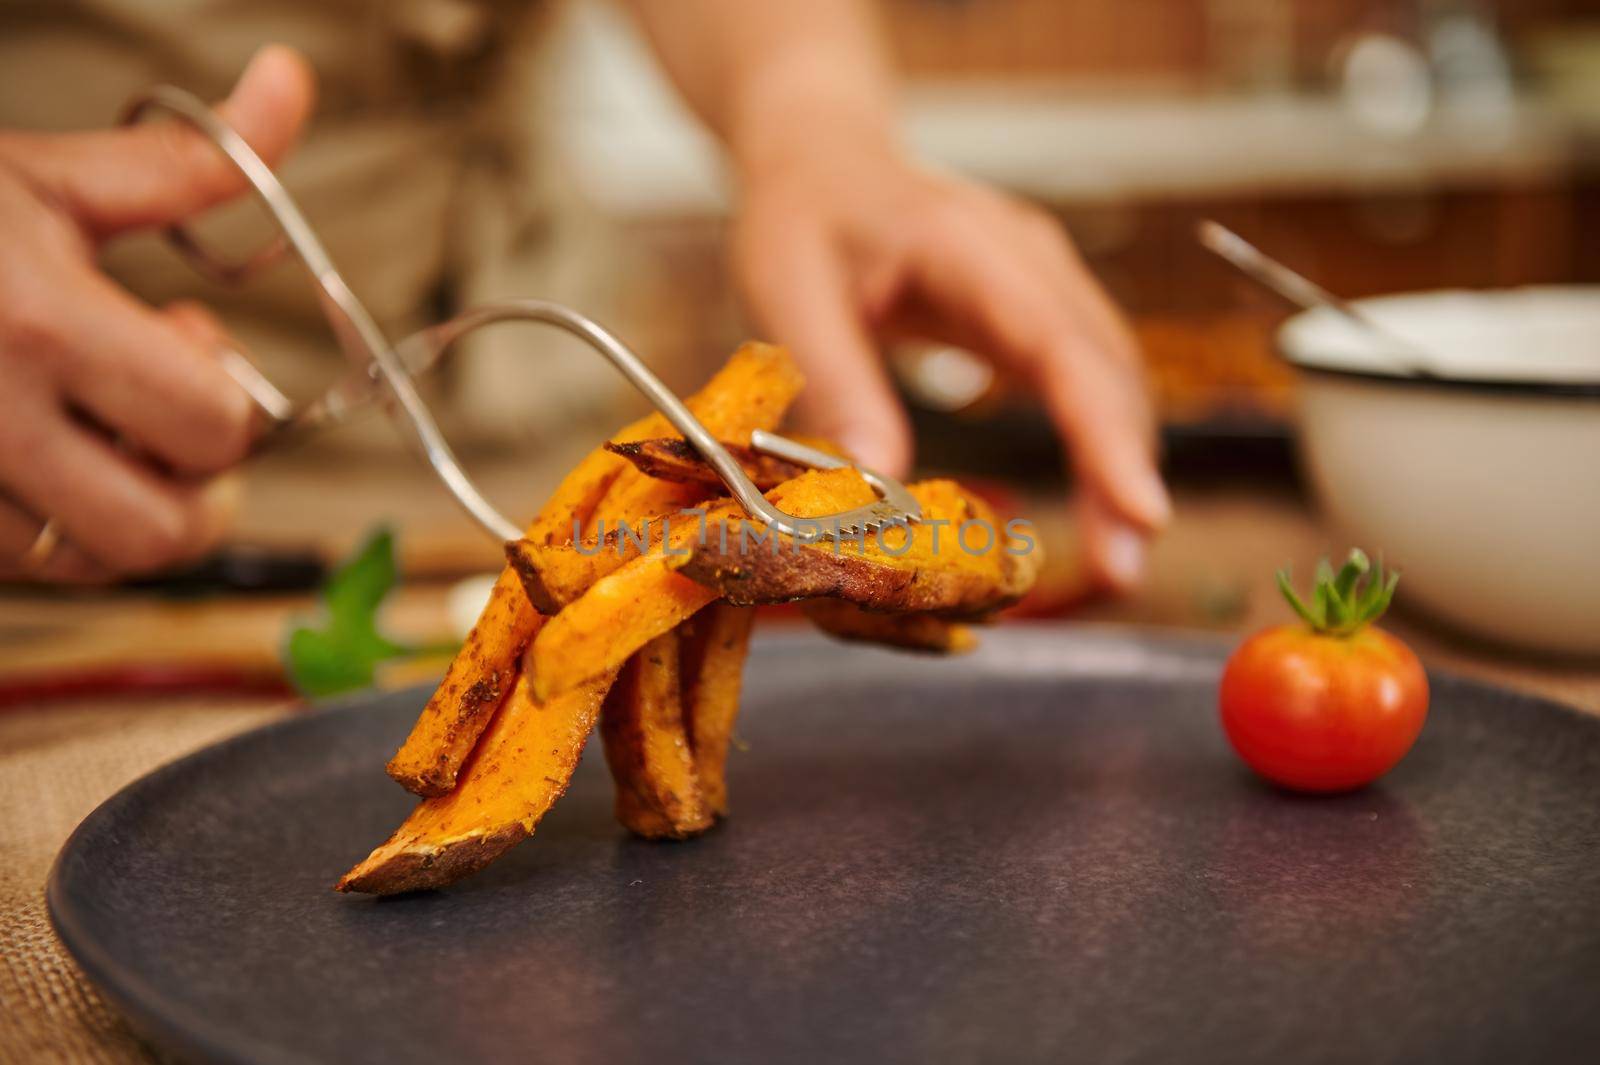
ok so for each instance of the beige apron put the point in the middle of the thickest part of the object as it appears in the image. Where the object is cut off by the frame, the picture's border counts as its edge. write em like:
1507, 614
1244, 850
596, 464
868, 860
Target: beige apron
423, 172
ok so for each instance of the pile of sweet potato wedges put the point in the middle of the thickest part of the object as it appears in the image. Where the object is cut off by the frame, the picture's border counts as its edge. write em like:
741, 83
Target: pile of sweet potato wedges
647, 633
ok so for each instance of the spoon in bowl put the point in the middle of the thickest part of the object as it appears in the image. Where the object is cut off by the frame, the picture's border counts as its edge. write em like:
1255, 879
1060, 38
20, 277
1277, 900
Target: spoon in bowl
1402, 354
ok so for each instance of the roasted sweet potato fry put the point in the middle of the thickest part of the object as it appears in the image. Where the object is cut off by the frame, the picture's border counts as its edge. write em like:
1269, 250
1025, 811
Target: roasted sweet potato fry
928, 573
909, 632
753, 391
750, 392
473, 686
621, 613
611, 616
957, 562
675, 459
715, 643
486, 666
647, 631
520, 767
647, 746
553, 575
635, 497
752, 579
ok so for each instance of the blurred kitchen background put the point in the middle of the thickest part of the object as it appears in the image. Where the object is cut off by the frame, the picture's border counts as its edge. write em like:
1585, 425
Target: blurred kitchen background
1377, 145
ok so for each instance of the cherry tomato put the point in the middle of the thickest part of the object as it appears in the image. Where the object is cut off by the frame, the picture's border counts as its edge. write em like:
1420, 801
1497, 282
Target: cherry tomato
1331, 703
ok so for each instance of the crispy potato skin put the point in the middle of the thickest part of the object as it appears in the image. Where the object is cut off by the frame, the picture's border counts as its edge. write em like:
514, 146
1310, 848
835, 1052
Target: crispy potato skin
486, 667
647, 747
522, 764
415, 865
620, 612
752, 391
917, 569
481, 673
650, 640
715, 643
652, 593
635, 496
907, 632
554, 575
757, 579
551, 578
675, 459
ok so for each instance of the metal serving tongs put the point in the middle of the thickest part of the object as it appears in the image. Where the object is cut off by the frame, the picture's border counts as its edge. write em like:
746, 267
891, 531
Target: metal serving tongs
380, 370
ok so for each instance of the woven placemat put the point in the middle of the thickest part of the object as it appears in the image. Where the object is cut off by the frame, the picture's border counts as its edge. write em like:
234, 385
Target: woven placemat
57, 763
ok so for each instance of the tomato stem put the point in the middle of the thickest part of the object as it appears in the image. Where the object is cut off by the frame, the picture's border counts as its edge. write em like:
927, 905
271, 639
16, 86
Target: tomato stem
1343, 603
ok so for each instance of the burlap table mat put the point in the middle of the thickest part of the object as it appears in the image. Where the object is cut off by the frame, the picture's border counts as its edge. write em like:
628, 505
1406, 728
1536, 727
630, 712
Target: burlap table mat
57, 763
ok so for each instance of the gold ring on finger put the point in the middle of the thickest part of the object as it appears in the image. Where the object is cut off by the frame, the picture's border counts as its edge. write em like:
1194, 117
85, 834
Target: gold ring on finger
44, 545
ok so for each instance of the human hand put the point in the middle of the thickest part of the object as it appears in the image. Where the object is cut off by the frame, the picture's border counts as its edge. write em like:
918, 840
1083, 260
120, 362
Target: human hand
839, 244
119, 417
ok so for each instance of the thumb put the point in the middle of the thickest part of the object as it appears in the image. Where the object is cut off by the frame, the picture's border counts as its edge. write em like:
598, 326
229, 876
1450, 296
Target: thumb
161, 172
802, 299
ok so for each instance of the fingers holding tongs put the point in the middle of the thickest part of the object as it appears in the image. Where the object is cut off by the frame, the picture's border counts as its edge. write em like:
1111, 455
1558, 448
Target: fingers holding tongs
379, 370
375, 369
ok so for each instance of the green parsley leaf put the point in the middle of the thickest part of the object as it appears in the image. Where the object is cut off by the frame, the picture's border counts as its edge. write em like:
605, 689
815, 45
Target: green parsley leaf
341, 652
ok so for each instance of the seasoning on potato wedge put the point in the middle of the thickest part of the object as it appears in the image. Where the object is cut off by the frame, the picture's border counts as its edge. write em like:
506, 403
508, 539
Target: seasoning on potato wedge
674, 459
647, 746
633, 591
521, 765
752, 391
715, 643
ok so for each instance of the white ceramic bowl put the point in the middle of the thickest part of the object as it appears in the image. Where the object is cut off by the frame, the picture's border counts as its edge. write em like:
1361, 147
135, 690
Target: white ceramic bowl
1483, 486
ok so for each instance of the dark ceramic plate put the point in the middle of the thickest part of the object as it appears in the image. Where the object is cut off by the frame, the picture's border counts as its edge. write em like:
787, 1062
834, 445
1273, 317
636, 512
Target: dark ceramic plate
1041, 852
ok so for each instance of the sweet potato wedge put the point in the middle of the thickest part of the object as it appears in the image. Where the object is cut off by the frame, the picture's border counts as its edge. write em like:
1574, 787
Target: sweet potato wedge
553, 578
485, 668
612, 615
715, 643
519, 768
751, 391
476, 681
647, 746
654, 592
933, 566
752, 579
675, 459
621, 613
909, 632
634, 496
553, 575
